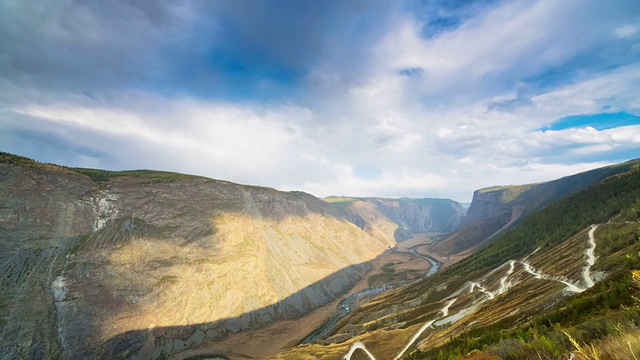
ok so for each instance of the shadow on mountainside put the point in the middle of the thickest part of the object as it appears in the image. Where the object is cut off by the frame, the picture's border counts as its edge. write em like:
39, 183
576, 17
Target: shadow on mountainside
164, 342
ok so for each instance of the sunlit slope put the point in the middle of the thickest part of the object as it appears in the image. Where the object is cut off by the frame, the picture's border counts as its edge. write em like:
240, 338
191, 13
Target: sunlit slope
148, 263
559, 268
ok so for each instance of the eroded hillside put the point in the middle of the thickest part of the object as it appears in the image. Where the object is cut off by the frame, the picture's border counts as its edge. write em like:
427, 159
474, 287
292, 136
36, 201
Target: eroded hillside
147, 264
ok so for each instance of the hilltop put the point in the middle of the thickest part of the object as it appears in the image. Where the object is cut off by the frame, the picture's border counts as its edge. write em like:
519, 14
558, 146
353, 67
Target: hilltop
496, 209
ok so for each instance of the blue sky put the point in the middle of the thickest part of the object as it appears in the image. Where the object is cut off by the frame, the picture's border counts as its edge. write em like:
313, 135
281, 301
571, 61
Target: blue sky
362, 98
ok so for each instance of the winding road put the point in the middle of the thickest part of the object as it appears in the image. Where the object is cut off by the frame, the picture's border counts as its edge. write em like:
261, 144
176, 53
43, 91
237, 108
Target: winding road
358, 345
444, 311
591, 259
505, 285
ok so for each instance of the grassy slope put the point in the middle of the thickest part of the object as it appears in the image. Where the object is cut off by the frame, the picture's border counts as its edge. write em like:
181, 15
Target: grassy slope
96, 175
609, 310
600, 317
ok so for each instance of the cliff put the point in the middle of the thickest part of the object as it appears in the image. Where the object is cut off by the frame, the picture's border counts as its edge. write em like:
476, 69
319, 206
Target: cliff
400, 218
493, 210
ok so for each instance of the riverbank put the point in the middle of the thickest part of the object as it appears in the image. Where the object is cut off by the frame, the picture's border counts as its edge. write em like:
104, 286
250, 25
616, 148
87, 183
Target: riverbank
350, 302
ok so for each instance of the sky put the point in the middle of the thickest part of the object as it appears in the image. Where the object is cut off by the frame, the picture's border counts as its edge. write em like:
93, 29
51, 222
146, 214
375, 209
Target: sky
361, 98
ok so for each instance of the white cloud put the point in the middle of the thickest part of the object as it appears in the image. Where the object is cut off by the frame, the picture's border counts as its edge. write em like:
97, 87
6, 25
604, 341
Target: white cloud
625, 31
470, 118
218, 140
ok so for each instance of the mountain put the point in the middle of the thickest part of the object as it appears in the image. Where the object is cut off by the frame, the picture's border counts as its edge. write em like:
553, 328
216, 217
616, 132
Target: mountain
565, 279
400, 218
494, 210
145, 264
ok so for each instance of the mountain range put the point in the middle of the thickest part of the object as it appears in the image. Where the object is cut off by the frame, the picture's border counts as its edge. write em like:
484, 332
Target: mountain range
146, 264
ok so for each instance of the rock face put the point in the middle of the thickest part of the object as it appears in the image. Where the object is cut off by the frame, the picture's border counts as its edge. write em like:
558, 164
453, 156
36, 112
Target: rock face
147, 264
423, 215
400, 218
495, 209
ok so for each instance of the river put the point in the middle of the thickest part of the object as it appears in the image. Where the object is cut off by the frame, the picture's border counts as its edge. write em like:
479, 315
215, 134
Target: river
344, 308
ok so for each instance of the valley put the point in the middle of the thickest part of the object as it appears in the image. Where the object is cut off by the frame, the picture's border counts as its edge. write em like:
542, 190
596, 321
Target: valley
144, 264
387, 272
545, 268
282, 334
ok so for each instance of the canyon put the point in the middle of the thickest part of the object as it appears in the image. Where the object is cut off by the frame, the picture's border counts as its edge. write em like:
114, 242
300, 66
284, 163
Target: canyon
150, 265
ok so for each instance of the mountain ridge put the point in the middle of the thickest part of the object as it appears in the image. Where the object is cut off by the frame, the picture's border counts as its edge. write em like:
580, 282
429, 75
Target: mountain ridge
411, 215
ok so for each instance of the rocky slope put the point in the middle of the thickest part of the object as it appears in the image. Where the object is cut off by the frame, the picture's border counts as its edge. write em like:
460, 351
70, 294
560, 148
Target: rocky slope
146, 264
495, 209
400, 218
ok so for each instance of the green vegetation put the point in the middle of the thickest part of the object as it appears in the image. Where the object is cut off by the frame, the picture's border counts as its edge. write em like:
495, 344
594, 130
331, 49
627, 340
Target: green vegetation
592, 323
547, 228
388, 267
606, 309
17, 160
391, 276
152, 176
493, 188
97, 175
7, 158
340, 203
508, 192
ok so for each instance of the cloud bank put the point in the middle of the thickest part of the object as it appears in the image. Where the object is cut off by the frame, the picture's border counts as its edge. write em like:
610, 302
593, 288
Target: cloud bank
417, 99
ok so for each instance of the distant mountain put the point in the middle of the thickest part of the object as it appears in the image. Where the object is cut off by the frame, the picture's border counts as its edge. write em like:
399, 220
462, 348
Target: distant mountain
100, 264
400, 218
493, 210
563, 280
